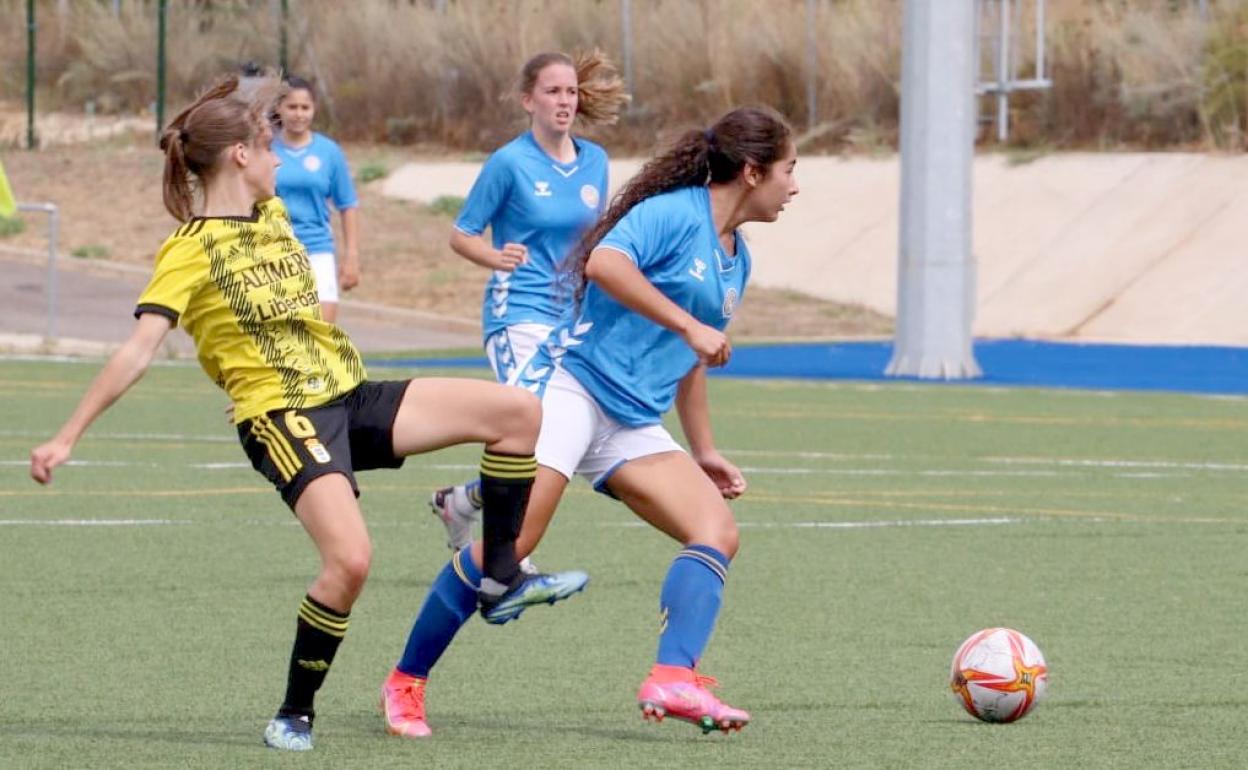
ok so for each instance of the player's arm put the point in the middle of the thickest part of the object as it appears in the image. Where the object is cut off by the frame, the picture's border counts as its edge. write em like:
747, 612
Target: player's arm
477, 250
695, 419
618, 276
123, 369
349, 270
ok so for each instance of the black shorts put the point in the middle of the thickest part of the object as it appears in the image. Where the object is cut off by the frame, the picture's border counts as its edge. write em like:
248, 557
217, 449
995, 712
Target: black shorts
291, 447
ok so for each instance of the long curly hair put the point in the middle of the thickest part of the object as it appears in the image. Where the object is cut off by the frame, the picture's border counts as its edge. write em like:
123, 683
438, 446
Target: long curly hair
757, 136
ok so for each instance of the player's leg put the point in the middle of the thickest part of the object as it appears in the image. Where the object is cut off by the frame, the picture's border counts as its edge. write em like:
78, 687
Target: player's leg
437, 412
672, 493
306, 455
509, 352
566, 435
328, 510
451, 601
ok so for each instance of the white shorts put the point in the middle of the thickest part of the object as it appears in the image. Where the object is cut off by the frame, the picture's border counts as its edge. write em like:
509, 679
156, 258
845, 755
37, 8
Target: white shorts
511, 349
326, 270
579, 438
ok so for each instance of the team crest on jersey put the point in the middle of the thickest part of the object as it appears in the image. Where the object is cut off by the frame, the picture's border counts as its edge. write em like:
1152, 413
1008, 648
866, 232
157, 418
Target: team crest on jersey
730, 302
317, 450
312, 164
315, 384
589, 196
541, 189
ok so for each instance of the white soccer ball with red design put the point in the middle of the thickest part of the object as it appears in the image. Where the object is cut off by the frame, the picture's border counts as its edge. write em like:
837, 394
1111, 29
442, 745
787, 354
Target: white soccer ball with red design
998, 675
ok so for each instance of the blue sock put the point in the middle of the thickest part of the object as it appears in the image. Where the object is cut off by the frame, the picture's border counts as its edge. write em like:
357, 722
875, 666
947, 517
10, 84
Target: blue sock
451, 601
689, 604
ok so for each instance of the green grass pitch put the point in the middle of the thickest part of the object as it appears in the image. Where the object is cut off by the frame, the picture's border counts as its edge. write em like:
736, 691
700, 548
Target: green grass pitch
147, 599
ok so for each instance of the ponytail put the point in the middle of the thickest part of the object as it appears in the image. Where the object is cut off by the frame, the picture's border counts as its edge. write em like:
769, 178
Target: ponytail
600, 89
193, 141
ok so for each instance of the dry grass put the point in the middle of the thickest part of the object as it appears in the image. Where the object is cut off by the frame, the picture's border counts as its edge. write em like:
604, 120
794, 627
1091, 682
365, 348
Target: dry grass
1144, 73
404, 254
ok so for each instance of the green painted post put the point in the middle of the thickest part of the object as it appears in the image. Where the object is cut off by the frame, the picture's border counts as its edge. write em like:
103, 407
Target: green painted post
281, 52
162, 13
30, 74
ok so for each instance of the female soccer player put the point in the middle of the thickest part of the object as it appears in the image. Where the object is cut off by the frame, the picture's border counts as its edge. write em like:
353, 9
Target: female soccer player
240, 283
657, 279
537, 194
313, 173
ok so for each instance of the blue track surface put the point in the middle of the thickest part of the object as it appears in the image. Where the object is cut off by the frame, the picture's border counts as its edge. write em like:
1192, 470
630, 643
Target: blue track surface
1180, 369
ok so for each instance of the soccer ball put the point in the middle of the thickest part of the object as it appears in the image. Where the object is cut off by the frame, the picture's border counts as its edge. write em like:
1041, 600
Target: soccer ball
998, 675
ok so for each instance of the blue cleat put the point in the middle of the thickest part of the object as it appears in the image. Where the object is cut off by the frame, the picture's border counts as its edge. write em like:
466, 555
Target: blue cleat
533, 589
289, 734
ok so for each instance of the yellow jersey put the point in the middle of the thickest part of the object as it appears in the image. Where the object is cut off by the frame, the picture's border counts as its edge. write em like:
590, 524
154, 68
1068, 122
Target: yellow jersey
243, 288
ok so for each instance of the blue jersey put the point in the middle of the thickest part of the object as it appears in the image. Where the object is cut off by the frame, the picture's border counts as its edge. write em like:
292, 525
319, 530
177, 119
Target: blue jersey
309, 177
525, 196
628, 363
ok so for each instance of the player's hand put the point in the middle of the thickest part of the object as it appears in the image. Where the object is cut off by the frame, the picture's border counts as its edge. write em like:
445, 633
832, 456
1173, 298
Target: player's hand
349, 274
726, 476
45, 457
710, 344
511, 256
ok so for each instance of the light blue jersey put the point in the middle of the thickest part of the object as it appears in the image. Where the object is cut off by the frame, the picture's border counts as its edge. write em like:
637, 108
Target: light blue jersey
308, 178
628, 363
525, 196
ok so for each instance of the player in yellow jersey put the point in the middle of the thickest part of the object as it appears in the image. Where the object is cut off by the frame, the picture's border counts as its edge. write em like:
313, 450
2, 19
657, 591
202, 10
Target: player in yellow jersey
234, 276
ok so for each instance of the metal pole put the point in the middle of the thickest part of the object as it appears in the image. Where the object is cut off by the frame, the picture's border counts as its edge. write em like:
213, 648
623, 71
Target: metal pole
30, 74
812, 64
1039, 39
162, 13
1003, 73
936, 266
53, 230
626, 30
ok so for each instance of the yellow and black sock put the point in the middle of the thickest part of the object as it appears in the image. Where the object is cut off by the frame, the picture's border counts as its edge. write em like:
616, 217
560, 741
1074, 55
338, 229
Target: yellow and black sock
319, 632
505, 484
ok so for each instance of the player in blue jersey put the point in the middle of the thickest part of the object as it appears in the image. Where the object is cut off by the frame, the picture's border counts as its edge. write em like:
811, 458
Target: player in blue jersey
313, 174
536, 195
657, 280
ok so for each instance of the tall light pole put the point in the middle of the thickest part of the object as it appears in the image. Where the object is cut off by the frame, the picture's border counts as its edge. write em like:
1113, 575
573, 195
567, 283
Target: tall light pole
936, 267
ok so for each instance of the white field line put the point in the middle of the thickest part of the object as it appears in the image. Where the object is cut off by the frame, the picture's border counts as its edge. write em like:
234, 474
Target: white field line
997, 521
43, 435
833, 456
628, 524
753, 470
1070, 462
89, 522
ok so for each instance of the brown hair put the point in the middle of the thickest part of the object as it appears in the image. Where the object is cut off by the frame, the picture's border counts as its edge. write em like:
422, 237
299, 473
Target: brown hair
221, 117
757, 136
600, 89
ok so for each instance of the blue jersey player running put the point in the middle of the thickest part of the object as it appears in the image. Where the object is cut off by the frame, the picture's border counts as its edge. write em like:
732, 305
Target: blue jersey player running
537, 195
657, 279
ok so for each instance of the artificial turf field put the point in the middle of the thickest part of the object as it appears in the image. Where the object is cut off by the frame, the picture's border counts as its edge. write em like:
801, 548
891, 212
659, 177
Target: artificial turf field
149, 595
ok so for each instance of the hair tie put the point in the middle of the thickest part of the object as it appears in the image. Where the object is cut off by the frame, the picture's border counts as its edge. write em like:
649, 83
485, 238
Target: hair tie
184, 135
709, 136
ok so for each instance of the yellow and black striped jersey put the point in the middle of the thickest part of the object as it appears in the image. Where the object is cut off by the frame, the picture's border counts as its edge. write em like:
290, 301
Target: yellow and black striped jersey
244, 290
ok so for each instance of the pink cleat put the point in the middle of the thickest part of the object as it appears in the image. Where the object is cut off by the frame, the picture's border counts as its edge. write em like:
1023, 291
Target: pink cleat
674, 691
403, 705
